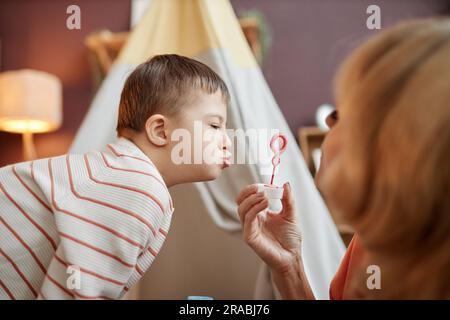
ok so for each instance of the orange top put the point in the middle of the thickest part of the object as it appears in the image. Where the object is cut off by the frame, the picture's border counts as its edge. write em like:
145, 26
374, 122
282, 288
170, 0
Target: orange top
353, 258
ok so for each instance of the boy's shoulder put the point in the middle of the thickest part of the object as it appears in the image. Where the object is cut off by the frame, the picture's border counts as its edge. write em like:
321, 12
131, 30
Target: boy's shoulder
29, 167
123, 156
121, 165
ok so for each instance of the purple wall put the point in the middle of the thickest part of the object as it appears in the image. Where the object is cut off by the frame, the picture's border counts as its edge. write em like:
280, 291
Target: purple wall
34, 35
310, 38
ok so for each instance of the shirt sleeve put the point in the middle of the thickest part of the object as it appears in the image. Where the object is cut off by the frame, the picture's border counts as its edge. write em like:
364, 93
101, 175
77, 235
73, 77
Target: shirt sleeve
93, 260
338, 283
107, 235
151, 251
110, 225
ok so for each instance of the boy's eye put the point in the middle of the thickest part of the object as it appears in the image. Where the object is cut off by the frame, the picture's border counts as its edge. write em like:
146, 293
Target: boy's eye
215, 126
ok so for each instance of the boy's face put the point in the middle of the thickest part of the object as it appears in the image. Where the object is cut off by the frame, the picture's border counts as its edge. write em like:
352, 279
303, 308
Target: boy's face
204, 118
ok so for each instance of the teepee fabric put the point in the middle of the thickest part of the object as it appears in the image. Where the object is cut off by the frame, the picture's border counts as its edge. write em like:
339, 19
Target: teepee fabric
209, 31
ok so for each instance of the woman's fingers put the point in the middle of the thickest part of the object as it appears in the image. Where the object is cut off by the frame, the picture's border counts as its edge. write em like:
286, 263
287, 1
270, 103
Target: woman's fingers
247, 191
288, 202
248, 222
257, 208
249, 202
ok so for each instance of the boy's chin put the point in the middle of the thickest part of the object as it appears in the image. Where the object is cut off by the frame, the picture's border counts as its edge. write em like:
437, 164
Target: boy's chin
212, 173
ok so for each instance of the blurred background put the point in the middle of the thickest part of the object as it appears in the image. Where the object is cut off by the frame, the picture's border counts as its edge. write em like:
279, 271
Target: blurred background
298, 44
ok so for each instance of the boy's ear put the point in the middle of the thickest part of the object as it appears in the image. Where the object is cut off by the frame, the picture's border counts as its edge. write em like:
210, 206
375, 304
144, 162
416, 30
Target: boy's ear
156, 130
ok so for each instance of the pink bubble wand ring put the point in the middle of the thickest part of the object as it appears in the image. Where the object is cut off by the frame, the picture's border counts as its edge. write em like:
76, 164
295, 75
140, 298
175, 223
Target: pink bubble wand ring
282, 143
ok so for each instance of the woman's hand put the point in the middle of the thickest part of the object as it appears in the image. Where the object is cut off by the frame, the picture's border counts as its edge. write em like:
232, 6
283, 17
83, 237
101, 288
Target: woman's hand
275, 237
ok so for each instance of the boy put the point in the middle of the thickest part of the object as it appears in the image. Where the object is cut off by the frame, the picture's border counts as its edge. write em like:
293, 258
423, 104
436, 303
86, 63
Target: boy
89, 226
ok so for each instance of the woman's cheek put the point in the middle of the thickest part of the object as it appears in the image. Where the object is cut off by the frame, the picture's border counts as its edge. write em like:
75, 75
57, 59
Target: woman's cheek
330, 150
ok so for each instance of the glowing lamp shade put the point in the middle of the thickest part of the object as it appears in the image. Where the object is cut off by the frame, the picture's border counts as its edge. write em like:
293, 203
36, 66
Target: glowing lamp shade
30, 102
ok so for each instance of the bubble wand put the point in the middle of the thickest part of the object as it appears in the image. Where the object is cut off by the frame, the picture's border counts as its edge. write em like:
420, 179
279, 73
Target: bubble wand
282, 143
278, 145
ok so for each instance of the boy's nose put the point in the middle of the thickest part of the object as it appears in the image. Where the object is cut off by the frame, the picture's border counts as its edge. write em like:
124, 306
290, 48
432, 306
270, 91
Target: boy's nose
226, 143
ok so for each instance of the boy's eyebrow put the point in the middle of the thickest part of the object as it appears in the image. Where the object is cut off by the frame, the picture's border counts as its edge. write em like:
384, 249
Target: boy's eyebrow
214, 115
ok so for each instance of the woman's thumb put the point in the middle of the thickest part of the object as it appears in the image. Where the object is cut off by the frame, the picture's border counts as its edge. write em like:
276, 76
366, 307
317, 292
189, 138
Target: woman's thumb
287, 201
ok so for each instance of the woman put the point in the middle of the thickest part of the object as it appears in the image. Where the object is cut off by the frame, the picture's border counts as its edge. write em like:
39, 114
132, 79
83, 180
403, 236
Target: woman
385, 171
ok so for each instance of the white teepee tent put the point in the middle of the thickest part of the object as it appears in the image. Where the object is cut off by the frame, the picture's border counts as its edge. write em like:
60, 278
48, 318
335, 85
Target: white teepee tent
209, 32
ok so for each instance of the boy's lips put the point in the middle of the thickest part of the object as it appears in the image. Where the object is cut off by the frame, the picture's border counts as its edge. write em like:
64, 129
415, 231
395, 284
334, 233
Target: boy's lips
226, 162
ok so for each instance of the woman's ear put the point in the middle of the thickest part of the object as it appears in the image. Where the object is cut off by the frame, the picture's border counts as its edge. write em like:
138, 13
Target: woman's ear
156, 130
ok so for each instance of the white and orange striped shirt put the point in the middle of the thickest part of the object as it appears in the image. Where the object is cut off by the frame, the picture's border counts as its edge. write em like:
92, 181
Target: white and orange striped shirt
81, 226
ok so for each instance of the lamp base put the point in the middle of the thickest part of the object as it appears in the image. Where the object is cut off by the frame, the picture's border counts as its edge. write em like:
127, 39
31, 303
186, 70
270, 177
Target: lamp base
29, 150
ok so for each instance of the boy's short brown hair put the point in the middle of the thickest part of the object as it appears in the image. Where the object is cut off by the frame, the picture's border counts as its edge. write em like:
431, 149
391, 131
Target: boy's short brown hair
163, 85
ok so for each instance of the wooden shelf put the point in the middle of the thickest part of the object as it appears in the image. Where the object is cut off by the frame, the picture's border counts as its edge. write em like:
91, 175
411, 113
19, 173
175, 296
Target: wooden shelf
310, 138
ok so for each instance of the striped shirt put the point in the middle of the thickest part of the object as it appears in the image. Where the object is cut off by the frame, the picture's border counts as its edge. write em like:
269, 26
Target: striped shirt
81, 226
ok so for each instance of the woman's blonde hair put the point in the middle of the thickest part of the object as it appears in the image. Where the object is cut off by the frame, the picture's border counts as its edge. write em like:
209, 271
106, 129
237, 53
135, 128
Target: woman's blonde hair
394, 99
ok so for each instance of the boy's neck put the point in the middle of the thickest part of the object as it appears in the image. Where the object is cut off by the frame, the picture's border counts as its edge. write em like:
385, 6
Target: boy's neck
158, 155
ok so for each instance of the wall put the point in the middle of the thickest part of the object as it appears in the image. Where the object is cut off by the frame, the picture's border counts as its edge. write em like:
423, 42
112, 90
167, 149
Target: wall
311, 38
34, 35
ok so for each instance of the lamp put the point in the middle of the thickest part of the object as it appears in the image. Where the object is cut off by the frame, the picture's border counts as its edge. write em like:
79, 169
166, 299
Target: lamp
30, 102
